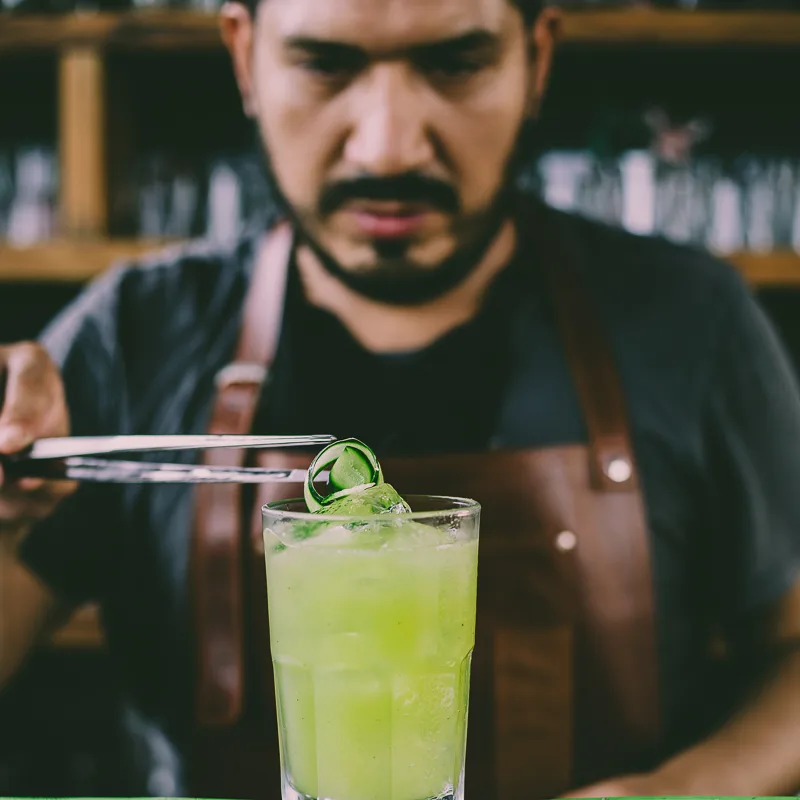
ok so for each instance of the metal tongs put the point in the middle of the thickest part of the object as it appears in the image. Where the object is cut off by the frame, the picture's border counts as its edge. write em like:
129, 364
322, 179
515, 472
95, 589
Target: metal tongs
73, 458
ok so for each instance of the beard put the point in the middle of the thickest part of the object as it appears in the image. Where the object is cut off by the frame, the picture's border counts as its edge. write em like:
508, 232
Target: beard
395, 280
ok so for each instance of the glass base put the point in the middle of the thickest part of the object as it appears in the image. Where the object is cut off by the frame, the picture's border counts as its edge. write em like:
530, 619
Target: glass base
290, 793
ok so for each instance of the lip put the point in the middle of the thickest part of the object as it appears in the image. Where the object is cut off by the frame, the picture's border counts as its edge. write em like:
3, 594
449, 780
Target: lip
388, 219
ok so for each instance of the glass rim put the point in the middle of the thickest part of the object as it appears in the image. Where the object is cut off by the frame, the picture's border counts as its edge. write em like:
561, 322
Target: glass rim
460, 507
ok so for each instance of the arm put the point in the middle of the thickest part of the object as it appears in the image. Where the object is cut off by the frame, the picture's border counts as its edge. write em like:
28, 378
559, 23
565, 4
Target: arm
33, 407
28, 609
751, 443
57, 540
757, 753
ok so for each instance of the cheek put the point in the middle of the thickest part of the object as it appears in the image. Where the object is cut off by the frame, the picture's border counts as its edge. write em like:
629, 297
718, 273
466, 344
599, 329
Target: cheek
291, 134
482, 137
486, 150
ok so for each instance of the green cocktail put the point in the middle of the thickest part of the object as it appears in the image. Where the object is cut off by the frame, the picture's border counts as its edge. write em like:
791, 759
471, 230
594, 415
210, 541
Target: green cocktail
372, 623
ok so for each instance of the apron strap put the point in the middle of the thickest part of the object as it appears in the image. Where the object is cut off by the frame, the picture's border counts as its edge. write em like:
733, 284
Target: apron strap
597, 381
216, 539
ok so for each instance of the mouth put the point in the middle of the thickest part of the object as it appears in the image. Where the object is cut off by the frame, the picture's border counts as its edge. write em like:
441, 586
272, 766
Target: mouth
388, 219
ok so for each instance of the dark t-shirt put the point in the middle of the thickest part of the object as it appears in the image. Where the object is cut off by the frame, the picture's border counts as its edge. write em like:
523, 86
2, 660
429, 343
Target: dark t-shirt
714, 406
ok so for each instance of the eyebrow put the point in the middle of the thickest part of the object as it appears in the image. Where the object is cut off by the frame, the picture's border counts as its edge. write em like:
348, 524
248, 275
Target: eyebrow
472, 41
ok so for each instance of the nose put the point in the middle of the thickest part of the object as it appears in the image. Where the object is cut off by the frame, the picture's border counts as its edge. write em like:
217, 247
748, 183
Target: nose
390, 135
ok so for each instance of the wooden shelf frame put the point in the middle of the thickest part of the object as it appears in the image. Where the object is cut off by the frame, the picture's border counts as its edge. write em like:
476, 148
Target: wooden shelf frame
189, 30
132, 30
673, 27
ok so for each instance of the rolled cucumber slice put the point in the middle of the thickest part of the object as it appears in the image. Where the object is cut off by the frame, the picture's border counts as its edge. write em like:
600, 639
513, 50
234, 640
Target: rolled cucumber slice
353, 468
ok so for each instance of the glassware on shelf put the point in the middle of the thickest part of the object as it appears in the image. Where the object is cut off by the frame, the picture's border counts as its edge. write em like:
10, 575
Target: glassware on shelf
560, 173
600, 191
31, 215
684, 200
224, 210
770, 188
169, 199
6, 189
785, 174
726, 231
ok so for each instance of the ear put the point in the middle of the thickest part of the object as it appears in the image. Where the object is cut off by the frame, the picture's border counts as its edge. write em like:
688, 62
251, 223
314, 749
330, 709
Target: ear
236, 26
543, 38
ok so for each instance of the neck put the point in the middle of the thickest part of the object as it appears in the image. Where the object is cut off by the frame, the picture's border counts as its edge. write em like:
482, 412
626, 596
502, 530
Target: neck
383, 328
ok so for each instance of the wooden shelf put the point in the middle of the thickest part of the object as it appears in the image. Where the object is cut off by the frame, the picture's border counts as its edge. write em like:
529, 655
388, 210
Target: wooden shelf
76, 261
781, 268
643, 26
134, 30
188, 30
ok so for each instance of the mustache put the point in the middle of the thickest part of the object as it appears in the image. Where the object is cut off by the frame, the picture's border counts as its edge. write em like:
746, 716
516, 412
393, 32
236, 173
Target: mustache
411, 187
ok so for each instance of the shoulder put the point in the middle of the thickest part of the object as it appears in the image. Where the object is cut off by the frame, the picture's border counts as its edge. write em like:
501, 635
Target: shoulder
654, 272
665, 294
181, 286
673, 315
197, 274
147, 326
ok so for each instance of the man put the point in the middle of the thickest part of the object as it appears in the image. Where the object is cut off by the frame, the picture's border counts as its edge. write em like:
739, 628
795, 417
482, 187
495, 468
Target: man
417, 319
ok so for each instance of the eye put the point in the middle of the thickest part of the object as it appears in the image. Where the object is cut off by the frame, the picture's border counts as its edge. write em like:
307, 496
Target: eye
456, 66
332, 67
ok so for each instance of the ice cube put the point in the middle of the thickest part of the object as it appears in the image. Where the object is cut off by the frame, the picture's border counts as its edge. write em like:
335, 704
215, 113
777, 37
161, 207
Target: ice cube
333, 536
381, 499
409, 535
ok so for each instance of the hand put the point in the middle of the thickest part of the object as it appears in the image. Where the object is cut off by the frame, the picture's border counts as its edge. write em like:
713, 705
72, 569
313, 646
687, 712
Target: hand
32, 406
644, 785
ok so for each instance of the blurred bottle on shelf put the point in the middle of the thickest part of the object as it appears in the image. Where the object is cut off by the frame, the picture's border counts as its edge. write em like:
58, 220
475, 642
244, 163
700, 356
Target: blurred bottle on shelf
705, 203
684, 184
600, 190
28, 188
677, 188
727, 234
217, 200
770, 196
169, 199
238, 196
224, 203
6, 189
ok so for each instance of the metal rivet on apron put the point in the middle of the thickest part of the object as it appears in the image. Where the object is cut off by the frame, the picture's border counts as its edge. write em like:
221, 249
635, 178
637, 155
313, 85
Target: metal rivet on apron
619, 470
566, 541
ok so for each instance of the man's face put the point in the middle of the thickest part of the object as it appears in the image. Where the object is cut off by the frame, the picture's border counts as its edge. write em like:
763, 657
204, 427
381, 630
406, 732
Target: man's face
389, 124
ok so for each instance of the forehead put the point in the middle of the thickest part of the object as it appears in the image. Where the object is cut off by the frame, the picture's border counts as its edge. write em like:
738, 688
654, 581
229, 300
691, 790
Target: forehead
375, 24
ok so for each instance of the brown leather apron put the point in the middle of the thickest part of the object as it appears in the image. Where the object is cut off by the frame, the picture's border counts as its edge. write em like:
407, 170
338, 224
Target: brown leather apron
564, 677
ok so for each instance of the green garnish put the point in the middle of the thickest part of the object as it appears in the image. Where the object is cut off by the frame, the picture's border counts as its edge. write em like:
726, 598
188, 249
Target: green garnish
353, 468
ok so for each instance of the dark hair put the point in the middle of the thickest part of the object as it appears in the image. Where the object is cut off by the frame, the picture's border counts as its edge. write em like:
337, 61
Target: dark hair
530, 8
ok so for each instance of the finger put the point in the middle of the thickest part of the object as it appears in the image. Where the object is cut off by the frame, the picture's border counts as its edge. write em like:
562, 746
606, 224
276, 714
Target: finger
47, 488
29, 484
31, 391
16, 509
15, 503
12, 532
